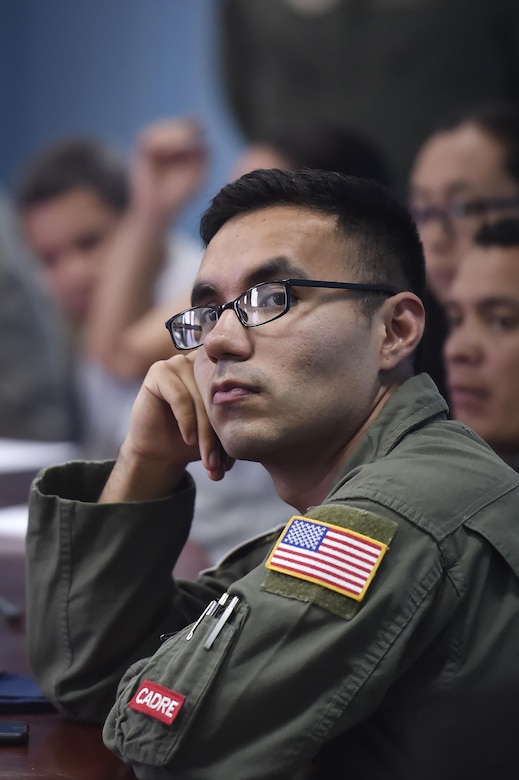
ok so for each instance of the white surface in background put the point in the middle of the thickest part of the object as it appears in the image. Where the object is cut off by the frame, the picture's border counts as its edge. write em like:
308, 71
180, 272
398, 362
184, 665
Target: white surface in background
13, 521
19, 455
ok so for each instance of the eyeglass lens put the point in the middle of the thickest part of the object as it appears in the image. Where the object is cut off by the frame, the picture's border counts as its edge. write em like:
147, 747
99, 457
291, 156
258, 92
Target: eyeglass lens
256, 306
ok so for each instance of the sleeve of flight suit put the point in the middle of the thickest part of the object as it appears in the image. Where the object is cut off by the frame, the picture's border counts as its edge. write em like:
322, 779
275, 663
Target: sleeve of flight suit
99, 586
256, 693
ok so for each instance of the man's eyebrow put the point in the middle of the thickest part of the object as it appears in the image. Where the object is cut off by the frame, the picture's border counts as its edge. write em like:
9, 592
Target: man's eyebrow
487, 304
277, 268
201, 291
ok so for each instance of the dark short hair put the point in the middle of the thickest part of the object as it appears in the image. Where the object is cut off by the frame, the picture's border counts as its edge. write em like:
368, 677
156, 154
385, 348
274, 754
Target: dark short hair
503, 233
500, 120
72, 164
389, 250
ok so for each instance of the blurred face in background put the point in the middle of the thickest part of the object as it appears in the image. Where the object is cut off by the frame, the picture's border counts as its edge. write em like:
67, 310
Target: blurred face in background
458, 182
70, 235
482, 350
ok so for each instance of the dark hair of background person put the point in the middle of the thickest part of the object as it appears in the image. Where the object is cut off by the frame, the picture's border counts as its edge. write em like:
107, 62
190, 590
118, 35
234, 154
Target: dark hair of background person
388, 249
430, 356
333, 149
498, 119
76, 163
503, 233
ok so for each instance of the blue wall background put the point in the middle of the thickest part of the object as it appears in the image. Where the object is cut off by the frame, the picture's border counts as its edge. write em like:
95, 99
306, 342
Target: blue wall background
108, 68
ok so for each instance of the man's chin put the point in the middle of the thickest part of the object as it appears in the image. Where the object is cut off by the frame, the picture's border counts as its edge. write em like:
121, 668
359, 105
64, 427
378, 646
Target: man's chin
244, 447
242, 453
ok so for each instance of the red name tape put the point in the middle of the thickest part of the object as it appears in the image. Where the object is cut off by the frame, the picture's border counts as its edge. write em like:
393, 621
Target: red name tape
157, 701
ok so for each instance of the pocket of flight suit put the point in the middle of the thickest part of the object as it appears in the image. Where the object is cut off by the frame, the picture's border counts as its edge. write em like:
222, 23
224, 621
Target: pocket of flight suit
183, 667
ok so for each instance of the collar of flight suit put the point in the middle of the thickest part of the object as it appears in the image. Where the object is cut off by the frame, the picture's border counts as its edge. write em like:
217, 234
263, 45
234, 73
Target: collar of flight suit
414, 403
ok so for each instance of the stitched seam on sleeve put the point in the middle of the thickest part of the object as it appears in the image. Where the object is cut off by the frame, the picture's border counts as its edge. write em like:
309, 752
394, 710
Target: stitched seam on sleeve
65, 564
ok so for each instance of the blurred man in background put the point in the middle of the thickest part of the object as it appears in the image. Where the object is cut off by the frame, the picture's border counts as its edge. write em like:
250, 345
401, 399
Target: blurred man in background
482, 350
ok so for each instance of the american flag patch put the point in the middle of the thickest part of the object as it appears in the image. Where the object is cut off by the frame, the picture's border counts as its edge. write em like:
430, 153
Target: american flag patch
334, 557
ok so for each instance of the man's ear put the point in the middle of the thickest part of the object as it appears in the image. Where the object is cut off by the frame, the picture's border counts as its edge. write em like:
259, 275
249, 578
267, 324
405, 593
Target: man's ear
404, 321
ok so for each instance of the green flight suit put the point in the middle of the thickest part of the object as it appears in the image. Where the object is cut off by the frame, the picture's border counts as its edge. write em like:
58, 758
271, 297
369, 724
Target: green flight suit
416, 680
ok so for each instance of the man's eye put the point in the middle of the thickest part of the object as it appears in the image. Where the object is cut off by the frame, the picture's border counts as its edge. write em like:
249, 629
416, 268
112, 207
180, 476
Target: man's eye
503, 322
453, 321
273, 300
90, 241
267, 297
207, 316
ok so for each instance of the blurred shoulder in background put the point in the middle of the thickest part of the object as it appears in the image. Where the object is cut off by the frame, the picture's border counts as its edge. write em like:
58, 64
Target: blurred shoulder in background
35, 402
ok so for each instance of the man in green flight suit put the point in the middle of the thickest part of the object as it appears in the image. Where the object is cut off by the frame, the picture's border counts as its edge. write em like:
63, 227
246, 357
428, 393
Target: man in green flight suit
375, 635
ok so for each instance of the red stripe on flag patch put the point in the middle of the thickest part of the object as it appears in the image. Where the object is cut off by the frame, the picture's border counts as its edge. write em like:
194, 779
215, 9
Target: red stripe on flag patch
157, 701
334, 557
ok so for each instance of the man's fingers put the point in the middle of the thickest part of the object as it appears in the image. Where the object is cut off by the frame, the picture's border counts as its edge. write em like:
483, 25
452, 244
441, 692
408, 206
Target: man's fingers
170, 420
212, 454
174, 382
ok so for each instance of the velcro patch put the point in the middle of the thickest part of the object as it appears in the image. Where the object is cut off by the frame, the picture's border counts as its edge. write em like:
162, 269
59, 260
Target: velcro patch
329, 559
157, 701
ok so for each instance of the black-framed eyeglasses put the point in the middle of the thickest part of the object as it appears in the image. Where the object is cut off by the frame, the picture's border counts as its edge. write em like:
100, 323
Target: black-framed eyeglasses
256, 306
462, 214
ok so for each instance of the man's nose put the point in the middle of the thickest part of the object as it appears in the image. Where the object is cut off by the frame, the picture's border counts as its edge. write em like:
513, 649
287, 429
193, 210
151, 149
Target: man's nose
462, 345
228, 337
